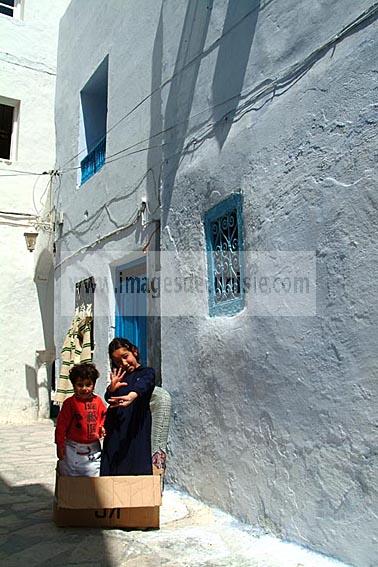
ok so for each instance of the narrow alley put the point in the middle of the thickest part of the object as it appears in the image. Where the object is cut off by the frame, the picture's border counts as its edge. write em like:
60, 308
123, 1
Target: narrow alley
188, 232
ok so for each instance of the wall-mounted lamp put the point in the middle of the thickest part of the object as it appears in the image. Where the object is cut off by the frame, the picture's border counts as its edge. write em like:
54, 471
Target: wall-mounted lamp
30, 238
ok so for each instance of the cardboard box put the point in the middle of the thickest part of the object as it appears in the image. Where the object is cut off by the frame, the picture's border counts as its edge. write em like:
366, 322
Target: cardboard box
108, 501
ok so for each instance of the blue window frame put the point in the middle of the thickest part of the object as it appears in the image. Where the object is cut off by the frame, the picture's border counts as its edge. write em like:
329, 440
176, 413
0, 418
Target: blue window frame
225, 263
93, 120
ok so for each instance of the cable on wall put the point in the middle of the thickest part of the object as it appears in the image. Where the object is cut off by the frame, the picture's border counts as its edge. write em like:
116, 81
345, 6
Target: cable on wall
137, 215
265, 87
173, 76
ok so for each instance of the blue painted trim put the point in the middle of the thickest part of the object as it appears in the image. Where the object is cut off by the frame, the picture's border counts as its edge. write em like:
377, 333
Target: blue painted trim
232, 306
93, 162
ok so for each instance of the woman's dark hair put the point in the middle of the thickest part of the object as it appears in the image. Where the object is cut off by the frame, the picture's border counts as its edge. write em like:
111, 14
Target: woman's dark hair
119, 342
84, 371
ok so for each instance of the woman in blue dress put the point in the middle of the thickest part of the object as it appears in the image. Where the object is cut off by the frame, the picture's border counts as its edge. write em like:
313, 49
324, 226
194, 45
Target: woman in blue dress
127, 443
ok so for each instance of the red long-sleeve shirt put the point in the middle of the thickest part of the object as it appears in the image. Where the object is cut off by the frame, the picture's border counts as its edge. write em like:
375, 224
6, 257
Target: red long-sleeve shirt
80, 420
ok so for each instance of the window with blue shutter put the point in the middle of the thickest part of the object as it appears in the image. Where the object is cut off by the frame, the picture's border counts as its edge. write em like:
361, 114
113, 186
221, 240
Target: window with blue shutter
93, 120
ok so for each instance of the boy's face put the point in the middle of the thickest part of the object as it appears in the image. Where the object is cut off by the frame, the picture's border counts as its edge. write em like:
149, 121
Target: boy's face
125, 359
83, 388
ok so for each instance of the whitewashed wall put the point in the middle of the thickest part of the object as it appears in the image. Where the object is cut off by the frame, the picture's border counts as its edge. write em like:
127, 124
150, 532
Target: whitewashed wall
273, 416
109, 200
28, 50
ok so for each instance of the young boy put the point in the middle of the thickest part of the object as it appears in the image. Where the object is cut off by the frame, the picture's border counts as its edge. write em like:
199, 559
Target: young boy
80, 425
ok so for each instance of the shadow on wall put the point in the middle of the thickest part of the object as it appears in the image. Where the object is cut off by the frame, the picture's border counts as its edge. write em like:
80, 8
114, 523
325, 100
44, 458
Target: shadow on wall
44, 282
233, 54
234, 48
153, 181
38, 384
181, 92
155, 153
31, 382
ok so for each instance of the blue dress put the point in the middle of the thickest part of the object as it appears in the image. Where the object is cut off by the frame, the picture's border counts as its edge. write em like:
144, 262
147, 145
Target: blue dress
127, 443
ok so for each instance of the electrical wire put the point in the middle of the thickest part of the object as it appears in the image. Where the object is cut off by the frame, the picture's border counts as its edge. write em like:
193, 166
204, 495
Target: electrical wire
16, 219
108, 160
33, 195
38, 221
335, 39
17, 172
15, 224
44, 193
146, 245
290, 75
170, 79
138, 214
265, 87
11, 213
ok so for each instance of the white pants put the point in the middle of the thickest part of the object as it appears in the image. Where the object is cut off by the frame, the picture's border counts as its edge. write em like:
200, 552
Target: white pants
81, 460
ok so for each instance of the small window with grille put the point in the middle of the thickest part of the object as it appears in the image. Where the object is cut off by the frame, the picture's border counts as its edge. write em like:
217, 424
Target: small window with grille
224, 243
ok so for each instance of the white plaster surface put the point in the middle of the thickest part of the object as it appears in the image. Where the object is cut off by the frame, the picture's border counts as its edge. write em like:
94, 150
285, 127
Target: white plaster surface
28, 50
273, 416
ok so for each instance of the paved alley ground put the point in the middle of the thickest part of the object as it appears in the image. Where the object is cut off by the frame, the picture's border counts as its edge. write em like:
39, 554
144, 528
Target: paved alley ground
191, 533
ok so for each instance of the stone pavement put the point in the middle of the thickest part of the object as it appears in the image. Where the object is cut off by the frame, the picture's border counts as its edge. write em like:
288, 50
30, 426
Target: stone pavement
191, 533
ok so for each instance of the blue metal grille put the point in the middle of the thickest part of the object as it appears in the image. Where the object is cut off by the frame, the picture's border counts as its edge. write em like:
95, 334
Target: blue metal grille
93, 162
223, 226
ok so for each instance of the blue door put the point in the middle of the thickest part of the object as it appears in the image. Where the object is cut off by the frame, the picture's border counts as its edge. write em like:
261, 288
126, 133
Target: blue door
131, 306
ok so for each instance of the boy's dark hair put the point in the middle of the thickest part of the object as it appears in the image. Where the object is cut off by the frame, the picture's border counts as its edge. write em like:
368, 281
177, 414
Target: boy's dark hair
119, 342
84, 371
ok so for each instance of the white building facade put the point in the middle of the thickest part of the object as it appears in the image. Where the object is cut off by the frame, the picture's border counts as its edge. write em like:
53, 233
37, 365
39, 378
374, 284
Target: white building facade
244, 128
28, 48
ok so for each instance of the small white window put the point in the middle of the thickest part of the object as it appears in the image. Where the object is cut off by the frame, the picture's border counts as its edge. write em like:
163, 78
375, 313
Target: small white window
8, 128
11, 8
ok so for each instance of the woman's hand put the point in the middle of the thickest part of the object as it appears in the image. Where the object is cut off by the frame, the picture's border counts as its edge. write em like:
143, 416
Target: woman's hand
122, 401
116, 376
